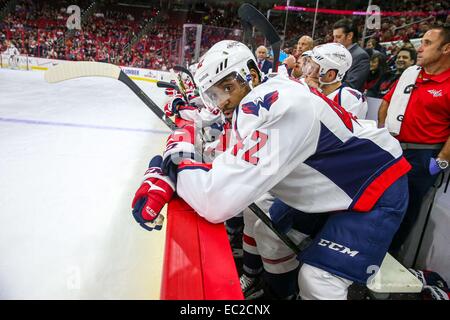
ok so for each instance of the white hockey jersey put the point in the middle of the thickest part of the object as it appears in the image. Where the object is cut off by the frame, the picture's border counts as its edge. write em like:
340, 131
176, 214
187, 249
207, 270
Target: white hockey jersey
352, 100
11, 51
303, 148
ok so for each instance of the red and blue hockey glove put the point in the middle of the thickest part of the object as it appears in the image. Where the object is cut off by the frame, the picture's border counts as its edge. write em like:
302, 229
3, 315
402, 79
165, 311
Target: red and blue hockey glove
155, 191
171, 107
182, 110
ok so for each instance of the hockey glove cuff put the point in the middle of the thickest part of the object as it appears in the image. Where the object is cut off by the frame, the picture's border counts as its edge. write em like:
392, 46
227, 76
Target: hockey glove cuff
155, 191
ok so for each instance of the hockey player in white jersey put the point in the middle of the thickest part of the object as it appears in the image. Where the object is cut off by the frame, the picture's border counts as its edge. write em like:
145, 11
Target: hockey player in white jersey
326, 69
13, 54
305, 150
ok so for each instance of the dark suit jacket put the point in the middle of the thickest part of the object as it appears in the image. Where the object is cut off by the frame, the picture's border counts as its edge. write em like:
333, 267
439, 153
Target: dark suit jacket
358, 73
266, 66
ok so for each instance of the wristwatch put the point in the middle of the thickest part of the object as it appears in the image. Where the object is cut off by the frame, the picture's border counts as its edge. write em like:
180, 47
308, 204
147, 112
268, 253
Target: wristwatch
443, 164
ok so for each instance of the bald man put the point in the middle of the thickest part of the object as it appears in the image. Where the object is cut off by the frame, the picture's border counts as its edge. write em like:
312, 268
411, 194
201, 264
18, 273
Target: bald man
305, 43
294, 62
261, 56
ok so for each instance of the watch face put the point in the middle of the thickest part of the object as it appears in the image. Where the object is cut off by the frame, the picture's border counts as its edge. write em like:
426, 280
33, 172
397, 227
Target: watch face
443, 164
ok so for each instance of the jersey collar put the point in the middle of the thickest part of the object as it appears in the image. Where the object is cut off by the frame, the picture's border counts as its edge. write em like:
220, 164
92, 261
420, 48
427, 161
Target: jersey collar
441, 77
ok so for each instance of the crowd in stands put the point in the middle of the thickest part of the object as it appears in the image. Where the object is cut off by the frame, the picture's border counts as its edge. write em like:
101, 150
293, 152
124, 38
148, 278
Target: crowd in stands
112, 32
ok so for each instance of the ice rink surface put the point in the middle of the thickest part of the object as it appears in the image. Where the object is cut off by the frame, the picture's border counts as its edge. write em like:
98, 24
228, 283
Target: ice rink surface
72, 156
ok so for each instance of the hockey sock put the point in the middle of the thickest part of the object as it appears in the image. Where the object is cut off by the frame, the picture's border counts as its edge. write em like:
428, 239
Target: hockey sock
282, 285
253, 265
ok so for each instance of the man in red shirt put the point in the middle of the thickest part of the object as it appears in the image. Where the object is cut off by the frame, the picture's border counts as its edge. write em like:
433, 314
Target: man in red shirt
425, 129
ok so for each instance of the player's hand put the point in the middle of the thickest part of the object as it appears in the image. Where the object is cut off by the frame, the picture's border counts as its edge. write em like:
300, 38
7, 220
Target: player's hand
282, 216
171, 107
155, 191
290, 61
170, 92
179, 108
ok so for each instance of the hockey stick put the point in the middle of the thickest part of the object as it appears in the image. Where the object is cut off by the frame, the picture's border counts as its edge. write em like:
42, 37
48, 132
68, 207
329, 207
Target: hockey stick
252, 17
164, 84
287, 241
73, 70
185, 70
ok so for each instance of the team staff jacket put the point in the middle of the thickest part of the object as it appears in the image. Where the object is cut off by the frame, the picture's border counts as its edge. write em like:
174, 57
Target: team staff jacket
299, 145
427, 116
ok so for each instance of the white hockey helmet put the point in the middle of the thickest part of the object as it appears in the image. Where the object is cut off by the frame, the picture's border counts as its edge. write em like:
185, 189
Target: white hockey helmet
332, 56
221, 60
307, 53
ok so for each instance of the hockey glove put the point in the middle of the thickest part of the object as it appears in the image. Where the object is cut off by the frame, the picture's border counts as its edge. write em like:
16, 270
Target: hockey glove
155, 191
179, 108
170, 92
282, 216
171, 107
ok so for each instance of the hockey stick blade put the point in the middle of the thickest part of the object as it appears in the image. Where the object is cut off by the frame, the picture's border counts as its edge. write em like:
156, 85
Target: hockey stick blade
73, 70
163, 84
250, 15
185, 70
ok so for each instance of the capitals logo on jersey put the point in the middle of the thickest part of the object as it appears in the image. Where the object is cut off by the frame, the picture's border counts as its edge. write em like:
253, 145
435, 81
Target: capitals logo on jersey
357, 94
254, 106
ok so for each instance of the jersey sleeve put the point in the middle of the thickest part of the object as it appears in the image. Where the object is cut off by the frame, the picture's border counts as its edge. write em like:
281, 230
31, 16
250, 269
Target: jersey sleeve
354, 102
265, 148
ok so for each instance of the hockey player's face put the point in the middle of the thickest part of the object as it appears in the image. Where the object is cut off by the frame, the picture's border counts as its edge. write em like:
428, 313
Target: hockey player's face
311, 69
227, 94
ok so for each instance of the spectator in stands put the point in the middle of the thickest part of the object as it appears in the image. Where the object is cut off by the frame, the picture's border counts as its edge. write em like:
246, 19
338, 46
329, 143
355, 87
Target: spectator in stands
378, 73
424, 128
405, 58
261, 56
394, 50
423, 28
373, 44
346, 33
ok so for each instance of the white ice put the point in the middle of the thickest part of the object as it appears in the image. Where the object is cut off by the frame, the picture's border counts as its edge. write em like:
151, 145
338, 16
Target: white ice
71, 157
